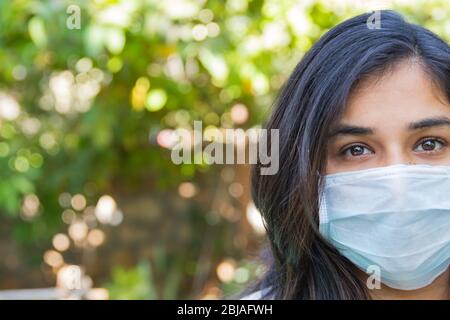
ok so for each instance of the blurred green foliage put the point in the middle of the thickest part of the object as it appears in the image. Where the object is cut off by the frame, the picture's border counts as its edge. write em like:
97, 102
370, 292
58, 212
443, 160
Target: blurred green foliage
132, 284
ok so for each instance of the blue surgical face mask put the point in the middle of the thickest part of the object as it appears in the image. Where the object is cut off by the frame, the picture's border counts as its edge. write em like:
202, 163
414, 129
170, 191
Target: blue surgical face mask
396, 218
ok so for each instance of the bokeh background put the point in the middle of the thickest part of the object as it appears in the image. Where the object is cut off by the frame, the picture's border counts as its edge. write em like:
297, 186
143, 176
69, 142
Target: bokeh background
89, 197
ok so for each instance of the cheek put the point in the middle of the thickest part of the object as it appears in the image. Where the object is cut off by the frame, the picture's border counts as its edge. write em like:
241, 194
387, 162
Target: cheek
438, 159
337, 164
333, 165
330, 164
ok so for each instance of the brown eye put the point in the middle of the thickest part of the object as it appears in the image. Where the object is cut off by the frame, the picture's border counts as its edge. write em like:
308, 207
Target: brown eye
430, 145
356, 151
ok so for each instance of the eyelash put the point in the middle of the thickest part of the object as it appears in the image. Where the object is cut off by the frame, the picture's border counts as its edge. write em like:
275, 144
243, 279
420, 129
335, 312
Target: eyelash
439, 140
347, 148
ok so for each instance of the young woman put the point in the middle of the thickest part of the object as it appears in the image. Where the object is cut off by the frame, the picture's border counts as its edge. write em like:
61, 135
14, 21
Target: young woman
360, 207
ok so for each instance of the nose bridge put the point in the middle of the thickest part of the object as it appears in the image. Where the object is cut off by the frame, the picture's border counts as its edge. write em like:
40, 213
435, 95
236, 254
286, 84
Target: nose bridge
395, 153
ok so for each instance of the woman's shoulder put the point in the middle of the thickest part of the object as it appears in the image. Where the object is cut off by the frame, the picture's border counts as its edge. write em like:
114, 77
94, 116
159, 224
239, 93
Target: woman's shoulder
257, 295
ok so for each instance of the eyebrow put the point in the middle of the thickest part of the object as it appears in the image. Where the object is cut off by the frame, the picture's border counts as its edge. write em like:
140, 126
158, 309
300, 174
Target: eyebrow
428, 123
344, 129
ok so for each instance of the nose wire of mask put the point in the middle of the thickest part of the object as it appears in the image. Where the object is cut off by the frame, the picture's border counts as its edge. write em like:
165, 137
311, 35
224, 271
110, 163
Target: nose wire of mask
394, 218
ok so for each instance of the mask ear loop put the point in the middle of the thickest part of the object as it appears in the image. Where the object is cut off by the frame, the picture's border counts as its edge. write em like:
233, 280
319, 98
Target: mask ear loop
323, 216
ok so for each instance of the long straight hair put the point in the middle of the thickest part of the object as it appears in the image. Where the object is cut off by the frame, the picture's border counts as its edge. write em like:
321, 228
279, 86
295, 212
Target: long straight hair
301, 264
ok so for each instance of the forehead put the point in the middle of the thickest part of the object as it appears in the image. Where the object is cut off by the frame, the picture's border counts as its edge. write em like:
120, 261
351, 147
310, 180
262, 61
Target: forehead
403, 94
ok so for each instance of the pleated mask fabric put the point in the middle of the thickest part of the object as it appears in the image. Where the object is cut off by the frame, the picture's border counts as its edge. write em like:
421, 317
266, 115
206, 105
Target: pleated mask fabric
396, 218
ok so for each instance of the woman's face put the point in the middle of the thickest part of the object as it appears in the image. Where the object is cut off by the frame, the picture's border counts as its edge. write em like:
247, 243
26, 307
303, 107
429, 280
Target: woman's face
400, 118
